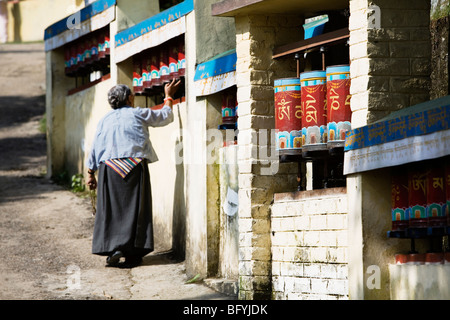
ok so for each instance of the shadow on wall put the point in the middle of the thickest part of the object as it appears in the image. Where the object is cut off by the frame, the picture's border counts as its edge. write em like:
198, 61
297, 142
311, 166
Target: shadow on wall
179, 208
15, 12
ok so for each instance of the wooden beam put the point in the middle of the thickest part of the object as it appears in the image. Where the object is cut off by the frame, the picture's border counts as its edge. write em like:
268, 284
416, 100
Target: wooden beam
314, 42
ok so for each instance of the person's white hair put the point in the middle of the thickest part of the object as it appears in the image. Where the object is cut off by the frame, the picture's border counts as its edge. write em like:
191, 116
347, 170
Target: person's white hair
118, 96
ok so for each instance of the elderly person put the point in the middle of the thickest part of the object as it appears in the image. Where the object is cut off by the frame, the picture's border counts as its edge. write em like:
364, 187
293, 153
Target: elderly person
121, 151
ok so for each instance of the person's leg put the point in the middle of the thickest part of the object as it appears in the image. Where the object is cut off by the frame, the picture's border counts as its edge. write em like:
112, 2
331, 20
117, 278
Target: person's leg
143, 237
114, 258
123, 226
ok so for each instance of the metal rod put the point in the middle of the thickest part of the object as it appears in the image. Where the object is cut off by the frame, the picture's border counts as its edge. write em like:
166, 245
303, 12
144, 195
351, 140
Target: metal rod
413, 246
322, 50
297, 57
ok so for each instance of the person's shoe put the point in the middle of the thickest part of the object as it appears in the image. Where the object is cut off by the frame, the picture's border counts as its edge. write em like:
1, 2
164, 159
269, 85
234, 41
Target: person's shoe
113, 260
131, 262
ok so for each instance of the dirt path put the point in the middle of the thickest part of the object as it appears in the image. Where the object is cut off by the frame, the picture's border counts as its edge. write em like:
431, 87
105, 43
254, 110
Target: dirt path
46, 230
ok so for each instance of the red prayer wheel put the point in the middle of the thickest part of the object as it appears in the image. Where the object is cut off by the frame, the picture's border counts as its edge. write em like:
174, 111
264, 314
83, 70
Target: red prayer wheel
399, 199
154, 68
181, 59
94, 48
436, 197
80, 54
107, 41
137, 75
417, 197
164, 72
288, 113
87, 50
173, 59
103, 43
146, 71
229, 108
338, 102
314, 108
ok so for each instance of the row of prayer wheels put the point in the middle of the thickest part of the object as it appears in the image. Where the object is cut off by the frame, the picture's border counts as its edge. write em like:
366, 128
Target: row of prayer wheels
313, 109
429, 258
159, 65
421, 195
86, 51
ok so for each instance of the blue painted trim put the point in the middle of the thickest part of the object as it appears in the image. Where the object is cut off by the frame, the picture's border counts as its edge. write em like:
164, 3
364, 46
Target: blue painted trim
286, 82
312, 75
85, 14
424, 118
154, 22
216, 66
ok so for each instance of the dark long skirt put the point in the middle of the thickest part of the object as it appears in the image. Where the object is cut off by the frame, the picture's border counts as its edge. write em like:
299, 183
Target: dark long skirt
123, 220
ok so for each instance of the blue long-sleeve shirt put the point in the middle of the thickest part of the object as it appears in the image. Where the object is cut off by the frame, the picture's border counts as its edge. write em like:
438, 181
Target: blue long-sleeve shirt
123, 133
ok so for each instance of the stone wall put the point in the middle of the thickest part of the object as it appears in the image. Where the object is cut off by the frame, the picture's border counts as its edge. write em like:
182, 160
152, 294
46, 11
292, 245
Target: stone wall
390, 57
309, 245
439, 54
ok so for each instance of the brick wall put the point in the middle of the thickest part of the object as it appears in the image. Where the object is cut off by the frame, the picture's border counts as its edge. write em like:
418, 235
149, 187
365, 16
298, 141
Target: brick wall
309, 245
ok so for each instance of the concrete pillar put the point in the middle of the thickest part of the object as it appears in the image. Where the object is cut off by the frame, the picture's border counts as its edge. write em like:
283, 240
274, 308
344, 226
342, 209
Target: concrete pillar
260, 175
57, 85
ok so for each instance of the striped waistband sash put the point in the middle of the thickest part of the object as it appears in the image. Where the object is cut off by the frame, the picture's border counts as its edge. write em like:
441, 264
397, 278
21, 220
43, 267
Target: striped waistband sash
123, 166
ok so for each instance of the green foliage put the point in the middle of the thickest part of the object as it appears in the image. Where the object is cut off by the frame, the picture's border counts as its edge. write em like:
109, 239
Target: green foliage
439, 9
196, 278
43, 124
61, 178
77, 183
